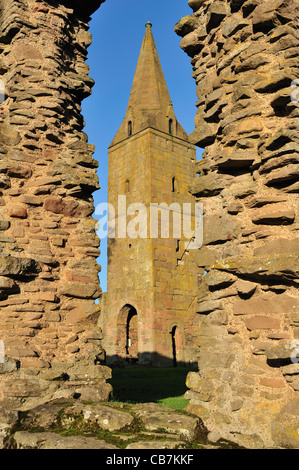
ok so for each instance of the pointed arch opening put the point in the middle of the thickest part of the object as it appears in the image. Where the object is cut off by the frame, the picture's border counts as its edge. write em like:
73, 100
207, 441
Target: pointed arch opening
174, 185
127, 334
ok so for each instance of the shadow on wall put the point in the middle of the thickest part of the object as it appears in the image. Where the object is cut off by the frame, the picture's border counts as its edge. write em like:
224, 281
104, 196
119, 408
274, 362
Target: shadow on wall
148, 359
138, 384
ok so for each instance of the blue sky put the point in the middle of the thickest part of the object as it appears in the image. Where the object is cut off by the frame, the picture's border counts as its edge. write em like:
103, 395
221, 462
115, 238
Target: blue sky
118, 28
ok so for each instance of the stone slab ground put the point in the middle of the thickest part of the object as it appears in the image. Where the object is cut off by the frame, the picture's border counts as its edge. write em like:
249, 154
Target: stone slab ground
70, 424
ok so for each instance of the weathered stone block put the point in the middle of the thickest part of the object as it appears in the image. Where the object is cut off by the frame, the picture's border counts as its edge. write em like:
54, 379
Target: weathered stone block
273, 215
13, 266
49, 440
185, 25
266, 304
209, 306
285, 426
18, 211
79, 290
196, 4
260, 322
84, 312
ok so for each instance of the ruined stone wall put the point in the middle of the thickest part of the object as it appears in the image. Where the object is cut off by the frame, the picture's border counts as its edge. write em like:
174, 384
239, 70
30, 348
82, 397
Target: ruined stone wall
48, 244
245, 57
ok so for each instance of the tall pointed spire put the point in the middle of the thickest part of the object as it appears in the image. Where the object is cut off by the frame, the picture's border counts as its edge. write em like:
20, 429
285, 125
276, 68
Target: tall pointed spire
149, 103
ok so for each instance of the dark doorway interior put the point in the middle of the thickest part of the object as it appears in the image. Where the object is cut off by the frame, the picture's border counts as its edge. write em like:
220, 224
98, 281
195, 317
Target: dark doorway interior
132, 335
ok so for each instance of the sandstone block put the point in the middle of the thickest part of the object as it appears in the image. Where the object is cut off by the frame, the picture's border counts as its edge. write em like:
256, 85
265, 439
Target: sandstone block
4, 225
18, 211
245, 287
260, 322
7, 284
196, 4
99, 393
19, 171
48, 440
27, 387
157, 445
198, 410
273, 215
233, 24
104, 416
282, 350
209, 306
295, 384
218, 279
288, 173
89, 372
31, 200
280, 245
238, 159
284, 427
210, 185
184, 426
18, 352
82, 291
291, 369
185, 25
214, 360
285, 265
143, 409
266, 304
219, 229
265, 13
85, 312
13, 266
9, 136
203, 136
217, 12
250, 125
9, 365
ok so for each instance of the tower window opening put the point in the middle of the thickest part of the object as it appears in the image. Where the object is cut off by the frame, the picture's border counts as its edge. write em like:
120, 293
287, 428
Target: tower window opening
127, 186
174, 185
130, 128
170, 126
132, 334
174, 347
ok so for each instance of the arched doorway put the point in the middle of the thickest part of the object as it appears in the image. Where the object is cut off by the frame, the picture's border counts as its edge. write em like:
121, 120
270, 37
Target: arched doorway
128, 334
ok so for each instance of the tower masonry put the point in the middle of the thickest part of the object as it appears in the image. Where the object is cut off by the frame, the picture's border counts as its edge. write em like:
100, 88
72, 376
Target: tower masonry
149, 309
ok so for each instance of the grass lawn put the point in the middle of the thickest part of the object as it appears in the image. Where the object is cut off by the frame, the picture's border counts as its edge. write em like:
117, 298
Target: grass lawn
143, 385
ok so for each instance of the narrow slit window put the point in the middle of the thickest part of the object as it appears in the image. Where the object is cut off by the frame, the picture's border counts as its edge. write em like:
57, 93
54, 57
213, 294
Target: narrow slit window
130, 128
173, 184
170, 126
127, 184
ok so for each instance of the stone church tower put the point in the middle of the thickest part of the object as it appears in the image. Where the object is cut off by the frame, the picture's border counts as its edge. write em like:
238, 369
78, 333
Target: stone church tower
149, 309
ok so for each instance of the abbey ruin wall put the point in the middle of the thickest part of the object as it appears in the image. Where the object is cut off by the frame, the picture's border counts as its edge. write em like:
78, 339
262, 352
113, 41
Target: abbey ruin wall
245, 61
48, 270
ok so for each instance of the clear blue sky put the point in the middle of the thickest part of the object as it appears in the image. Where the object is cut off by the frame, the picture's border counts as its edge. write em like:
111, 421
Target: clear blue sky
118, 28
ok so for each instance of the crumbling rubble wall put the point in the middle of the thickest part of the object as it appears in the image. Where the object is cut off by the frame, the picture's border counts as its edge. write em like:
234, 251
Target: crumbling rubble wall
48, 243
245, 63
